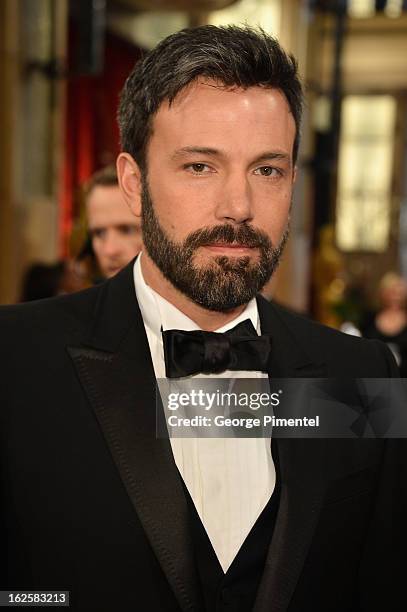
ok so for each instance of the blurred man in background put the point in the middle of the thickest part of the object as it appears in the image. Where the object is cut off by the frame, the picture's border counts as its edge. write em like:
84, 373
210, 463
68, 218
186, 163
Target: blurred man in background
114, 232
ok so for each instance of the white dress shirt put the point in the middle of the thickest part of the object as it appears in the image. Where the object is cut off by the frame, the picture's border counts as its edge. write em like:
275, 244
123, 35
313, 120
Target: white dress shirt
230, 480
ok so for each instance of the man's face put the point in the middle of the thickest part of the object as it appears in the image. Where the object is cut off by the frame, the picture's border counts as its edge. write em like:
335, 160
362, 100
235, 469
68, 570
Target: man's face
217, 193
114, 230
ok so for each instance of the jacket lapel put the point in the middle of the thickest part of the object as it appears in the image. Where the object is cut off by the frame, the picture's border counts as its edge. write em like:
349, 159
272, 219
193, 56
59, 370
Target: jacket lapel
120, 386
300, 472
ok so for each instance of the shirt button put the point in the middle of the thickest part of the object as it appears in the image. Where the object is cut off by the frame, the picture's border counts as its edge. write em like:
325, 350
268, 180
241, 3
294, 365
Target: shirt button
226, 596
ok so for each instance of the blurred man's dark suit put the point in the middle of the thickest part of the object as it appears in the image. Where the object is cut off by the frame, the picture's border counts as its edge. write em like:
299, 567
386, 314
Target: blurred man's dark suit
91, 502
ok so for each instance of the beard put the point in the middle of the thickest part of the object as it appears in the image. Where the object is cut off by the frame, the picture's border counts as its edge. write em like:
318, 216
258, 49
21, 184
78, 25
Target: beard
225, 282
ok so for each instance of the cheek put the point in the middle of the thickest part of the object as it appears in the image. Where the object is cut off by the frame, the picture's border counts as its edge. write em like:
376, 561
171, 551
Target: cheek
97, 246
274, 219
132, 244
181, 209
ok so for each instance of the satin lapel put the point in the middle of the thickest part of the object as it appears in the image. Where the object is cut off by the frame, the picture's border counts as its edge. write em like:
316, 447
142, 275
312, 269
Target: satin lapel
116, 372
300, 472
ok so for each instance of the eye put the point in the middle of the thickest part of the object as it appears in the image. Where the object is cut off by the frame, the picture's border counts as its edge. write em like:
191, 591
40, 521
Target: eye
198, 168
98, 232
127, 230
268, 171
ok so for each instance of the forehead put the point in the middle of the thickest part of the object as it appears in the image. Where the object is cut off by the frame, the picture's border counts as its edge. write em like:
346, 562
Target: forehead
210, 114
105, 206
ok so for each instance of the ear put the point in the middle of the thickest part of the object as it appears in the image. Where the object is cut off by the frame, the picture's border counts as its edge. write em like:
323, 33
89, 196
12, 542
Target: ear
294, 174
129, 177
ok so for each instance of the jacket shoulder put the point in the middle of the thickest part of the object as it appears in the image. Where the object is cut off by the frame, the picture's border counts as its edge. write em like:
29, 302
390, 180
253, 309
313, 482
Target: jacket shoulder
341, 352
51, 316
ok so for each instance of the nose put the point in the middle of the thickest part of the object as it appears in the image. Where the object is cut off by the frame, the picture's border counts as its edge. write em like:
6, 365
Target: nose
235, 201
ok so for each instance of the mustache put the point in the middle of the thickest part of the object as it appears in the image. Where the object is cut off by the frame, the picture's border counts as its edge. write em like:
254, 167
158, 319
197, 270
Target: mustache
244, 235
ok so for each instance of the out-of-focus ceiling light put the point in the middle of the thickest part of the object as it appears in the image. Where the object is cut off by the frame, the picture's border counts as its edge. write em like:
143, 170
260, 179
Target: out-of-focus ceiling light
394, 8
149, 21
175, 5
367, 8
266, 13
361, 8
146, 29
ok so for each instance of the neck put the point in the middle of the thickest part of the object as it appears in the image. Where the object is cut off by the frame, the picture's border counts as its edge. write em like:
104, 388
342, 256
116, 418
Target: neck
208, 320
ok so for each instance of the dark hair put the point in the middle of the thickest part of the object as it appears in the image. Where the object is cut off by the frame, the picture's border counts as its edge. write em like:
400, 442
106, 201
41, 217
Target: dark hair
42, 281
106, 177
232, 55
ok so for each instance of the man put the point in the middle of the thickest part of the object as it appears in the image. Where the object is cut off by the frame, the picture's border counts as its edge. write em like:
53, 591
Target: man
92, 501
115, 233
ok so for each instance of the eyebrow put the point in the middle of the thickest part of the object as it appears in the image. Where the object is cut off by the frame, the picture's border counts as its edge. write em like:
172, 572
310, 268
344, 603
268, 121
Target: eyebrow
267, 155
191, 150
278, 155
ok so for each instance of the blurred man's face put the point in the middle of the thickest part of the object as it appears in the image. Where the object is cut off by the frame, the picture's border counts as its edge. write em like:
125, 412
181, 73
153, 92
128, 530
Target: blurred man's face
114, 230
394, 295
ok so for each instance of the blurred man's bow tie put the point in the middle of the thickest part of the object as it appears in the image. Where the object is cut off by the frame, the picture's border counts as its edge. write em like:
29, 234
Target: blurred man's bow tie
201, 352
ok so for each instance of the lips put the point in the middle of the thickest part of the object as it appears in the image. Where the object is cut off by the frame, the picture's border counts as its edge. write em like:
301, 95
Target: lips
233, 247
229, 245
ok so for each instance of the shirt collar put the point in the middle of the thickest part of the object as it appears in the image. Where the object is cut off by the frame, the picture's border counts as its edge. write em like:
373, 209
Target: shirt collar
158, 313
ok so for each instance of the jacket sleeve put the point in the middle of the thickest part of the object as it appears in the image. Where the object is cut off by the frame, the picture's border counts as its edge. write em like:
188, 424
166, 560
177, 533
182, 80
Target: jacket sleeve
383, 567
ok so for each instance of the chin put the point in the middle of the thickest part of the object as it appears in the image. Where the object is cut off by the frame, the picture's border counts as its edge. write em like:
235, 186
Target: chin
111, 273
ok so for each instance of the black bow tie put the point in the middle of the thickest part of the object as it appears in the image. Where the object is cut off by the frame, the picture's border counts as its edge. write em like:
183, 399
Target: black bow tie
193, 352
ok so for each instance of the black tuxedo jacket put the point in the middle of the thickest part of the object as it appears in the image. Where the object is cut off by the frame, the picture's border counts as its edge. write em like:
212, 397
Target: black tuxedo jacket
92, 502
